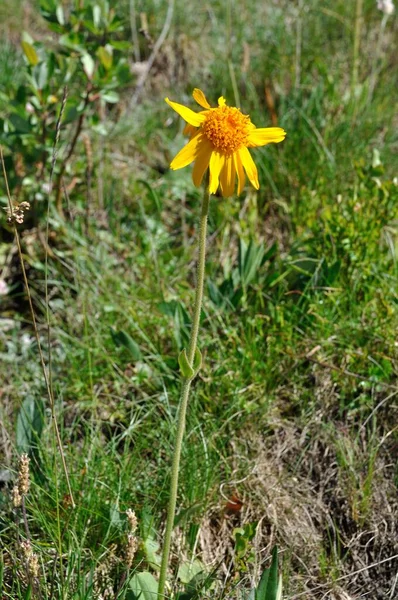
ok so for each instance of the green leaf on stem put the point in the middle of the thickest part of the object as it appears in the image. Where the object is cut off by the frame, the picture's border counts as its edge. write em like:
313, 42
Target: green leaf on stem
197, 362
105, 57
270, 587
88, 65
30, 422
144, 586
30, 53
186, 369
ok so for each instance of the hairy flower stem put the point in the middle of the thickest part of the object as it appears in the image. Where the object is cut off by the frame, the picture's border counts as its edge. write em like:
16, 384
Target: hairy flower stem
186, 386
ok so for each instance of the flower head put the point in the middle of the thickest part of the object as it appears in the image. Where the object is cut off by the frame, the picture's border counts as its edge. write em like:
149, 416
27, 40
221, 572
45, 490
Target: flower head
220, 138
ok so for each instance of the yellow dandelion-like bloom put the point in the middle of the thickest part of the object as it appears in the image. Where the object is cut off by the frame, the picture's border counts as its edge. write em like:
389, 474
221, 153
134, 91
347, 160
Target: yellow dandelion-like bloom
220, 138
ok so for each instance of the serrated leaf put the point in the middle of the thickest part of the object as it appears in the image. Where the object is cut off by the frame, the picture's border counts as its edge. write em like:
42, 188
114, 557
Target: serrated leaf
142, 586
30, 53
185, 368
121, 338
30, 423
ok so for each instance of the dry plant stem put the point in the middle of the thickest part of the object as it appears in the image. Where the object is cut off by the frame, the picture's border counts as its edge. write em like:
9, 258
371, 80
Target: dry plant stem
32, 312
149, 63
46, 246
186, 386
134, 32
72, 145
356, 46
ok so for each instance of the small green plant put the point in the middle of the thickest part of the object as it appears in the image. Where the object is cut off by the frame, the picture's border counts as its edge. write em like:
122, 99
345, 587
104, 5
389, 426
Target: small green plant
72, 81
270, 584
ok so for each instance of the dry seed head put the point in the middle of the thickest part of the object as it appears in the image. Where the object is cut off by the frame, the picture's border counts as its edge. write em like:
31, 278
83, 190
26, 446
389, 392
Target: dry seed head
131, 549
102, 580
23, 475
132, 519
26, 548
16, 497
33, 565
17, 214
31, 558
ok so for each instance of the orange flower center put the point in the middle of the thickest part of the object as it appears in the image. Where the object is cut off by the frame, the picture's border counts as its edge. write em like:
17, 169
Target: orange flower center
227, 129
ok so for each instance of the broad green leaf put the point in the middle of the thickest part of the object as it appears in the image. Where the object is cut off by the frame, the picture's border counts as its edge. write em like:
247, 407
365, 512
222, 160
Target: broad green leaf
272, 587
88, 64
120, 44
96, 15
20, 124
41, 75
250, 260
187, 513
30, 53
185, 368
151, 547
115, 518
188, 570
28, 593
197, 361
279, 592
30, 423
110, 96
105, 57
60, 14
269, 588
142, 586
121, 338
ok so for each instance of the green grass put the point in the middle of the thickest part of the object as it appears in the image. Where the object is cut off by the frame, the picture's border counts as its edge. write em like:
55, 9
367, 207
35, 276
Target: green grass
294, 410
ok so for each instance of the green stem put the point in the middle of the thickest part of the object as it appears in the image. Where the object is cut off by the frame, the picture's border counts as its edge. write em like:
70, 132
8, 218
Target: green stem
186, 386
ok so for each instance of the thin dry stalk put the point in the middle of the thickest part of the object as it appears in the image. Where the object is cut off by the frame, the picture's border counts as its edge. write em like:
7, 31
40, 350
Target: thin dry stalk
71, 149
46, 245
149, 63
36, 331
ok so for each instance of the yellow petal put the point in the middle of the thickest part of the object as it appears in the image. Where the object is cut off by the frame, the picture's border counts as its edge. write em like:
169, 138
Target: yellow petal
200, 98
189, 130
188, 153
249, 166
240, 171
217, 161
266, 135
201, 161
227, 177
187, 114
221, 101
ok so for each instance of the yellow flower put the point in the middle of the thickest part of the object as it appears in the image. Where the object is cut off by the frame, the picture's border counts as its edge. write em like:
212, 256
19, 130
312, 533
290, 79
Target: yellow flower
220, 138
